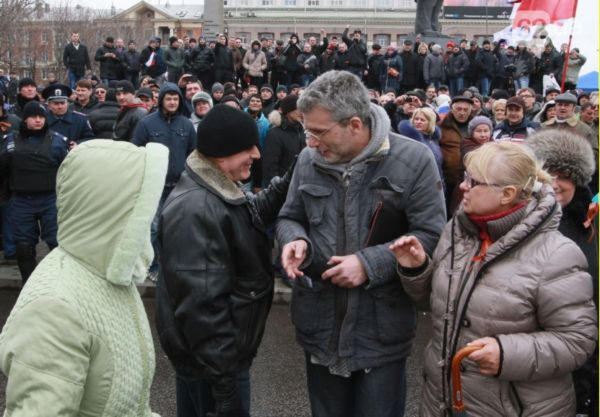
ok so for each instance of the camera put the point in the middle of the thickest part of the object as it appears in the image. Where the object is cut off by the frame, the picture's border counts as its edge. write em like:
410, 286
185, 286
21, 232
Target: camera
510, 67
408, 100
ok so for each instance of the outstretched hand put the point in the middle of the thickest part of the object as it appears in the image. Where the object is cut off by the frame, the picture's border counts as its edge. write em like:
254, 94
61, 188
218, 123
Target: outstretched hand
292, 256
409, 252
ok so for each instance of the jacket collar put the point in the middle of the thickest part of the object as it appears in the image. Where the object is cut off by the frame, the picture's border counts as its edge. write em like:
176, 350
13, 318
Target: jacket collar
206, 173
571, 121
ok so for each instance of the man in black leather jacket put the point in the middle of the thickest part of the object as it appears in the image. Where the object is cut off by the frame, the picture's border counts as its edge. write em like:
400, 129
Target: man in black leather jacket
216, 283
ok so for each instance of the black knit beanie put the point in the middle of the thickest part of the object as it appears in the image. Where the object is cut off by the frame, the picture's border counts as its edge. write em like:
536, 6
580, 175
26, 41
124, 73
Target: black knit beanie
225, 131
34, 108
288, 104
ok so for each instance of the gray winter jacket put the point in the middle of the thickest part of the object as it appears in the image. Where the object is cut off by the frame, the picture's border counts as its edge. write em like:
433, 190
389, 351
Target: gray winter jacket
392, 188
531, 292
433, 68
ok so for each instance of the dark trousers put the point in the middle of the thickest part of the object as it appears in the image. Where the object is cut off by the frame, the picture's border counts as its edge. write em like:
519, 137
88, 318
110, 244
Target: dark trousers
257, 81
173, 75
8, 240
207, 78
34, 215
380, 392
133, 78
194, 396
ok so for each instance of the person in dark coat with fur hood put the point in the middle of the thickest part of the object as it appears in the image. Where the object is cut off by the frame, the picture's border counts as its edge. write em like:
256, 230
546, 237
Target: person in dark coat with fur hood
284, 140
569, 158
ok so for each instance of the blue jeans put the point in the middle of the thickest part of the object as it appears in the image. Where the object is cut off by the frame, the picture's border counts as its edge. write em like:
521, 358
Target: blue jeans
456, 84
522, 82
8, 241
72, 78
34, 215
194, 396
485, 83
306, 79
435, 82
154, 228
380, 392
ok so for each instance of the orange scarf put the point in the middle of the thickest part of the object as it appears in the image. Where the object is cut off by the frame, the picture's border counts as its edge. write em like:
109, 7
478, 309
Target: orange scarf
482, 221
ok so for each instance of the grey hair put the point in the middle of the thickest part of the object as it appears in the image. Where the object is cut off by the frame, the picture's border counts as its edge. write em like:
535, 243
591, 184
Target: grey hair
436, 48
339, 92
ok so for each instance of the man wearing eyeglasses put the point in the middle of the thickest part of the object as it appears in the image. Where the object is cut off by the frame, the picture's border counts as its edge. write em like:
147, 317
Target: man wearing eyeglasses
356, 187
532, 107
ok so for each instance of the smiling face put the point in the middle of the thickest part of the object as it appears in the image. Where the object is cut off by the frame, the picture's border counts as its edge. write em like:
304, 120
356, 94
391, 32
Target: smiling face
481, 134
564, 189
514, 114
83, 94
237, 166
28, 91
255, 105
201, 108
170, 102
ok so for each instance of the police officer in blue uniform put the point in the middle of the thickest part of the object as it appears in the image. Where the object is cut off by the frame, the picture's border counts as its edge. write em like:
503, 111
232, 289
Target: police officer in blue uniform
72, 124
30, 159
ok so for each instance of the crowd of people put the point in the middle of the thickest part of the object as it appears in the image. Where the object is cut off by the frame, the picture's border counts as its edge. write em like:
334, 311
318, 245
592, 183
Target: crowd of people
450, 180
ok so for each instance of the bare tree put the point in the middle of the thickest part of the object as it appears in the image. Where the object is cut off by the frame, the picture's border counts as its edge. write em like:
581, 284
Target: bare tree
12, 12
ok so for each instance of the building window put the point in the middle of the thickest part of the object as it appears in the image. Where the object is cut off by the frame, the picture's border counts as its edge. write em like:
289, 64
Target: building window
407, 4
383, 4
44, 56
243, 3
266, 35
337, 3
289, 2
400, 39
26, 37
44, 74
309, 35
313, 3
244, 36
45, 36
266, 2
358, 3
382, 39
285, 36
25, 74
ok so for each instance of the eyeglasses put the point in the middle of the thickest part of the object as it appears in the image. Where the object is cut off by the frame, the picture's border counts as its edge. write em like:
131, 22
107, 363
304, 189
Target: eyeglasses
318, 137
471, 182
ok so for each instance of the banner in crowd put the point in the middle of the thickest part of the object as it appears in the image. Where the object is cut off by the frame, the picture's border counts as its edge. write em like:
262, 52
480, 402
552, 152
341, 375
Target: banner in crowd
585, 30
477, 9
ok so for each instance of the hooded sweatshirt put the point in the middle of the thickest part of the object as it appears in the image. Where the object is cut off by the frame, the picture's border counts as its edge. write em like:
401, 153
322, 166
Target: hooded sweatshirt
175, 131
77, 341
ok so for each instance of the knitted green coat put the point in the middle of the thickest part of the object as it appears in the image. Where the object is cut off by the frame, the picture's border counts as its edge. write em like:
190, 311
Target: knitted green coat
78, 342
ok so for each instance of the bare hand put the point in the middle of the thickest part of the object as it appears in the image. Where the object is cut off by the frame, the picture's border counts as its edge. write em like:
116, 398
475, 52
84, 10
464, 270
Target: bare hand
292, 256
488, 357
409, 252
347, 272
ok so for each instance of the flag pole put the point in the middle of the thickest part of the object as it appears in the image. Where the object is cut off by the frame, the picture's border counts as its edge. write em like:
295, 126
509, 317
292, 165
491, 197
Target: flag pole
568, 53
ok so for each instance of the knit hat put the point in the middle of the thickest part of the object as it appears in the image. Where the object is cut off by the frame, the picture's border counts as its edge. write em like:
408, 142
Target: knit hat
34, 108
479, 120
217, 87
281, 88
225, 131
202, 96
552, 90
288, 104
564, 153
230, 97
267, 87
23, 82
450, 44
292, 86
124, 86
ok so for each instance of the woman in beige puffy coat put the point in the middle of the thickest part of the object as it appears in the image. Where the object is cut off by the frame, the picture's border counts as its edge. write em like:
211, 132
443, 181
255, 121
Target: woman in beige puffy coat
503, 278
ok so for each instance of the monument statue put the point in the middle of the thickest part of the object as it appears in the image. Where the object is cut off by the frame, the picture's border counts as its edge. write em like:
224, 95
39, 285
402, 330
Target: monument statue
427, 22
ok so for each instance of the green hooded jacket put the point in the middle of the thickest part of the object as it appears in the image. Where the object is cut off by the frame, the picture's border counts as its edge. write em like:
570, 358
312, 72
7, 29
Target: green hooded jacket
78, 342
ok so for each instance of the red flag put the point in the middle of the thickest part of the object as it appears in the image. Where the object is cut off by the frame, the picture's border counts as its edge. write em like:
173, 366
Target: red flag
542, 12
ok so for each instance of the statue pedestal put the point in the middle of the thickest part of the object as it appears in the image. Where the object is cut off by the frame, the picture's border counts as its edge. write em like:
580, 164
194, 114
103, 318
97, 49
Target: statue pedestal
440, 39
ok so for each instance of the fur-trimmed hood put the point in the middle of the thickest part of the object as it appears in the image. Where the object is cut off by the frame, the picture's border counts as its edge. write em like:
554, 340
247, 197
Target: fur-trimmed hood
107, 194
564, 153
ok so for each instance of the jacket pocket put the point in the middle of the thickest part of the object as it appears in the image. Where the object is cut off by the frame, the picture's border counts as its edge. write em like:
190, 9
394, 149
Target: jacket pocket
395, 314
309, 307
315, 200
250, 311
